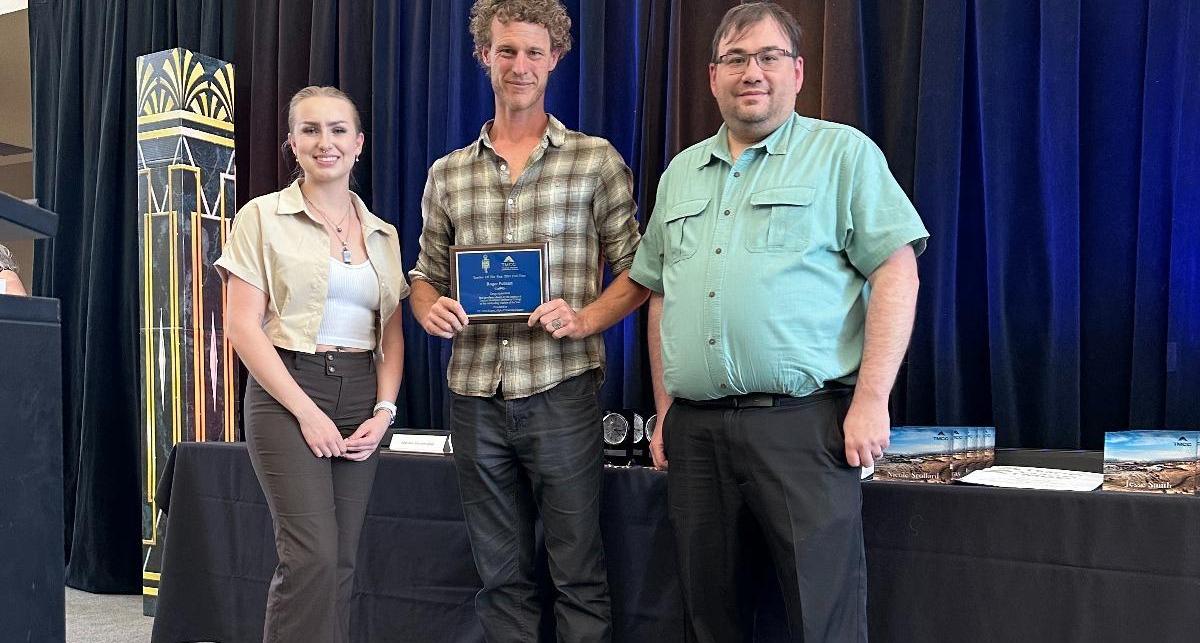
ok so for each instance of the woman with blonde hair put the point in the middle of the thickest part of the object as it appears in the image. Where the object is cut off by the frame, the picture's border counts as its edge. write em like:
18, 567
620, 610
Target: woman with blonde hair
315, 282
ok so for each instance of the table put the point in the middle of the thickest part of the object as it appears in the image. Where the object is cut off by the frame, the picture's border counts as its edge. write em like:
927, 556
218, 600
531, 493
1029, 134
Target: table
31, 470
945, 563
31, 448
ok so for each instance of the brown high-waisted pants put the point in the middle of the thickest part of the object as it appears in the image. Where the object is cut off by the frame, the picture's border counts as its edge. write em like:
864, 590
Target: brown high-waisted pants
317, 504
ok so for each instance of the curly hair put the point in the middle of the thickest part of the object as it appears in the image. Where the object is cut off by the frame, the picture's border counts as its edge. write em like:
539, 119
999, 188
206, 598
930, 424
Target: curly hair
550, 14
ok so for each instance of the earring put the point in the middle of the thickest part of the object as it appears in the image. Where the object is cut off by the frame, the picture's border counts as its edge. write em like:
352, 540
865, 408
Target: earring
356, 159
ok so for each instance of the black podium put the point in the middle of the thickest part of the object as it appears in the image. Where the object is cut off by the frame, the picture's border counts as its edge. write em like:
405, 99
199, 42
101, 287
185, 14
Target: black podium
31, 479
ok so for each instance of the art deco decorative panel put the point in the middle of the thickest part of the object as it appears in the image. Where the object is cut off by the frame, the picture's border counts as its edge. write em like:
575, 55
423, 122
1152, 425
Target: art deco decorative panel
186, 200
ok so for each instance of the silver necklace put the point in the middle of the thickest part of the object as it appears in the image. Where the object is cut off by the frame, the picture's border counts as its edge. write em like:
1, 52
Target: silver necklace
347, 258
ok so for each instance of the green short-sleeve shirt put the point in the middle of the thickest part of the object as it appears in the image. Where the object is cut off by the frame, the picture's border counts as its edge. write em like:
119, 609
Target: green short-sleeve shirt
763, 263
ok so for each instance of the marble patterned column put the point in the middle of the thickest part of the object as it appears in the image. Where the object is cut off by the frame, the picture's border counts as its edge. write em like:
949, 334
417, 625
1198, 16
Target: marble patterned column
185, 166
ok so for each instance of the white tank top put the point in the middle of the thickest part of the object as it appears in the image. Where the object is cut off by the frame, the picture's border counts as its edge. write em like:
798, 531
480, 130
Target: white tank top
350, 306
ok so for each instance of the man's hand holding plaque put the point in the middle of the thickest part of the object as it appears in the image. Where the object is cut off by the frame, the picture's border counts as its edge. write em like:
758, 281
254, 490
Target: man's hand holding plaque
560, 320
445, 319
499, 283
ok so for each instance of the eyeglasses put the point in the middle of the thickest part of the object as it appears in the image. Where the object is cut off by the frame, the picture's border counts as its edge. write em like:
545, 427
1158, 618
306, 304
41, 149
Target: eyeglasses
768, 60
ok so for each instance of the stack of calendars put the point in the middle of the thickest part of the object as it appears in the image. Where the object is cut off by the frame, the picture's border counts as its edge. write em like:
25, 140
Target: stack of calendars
936, 454
1151, 461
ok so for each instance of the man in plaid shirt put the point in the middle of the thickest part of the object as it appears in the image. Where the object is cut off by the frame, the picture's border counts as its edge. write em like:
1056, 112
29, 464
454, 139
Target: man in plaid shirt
524, 414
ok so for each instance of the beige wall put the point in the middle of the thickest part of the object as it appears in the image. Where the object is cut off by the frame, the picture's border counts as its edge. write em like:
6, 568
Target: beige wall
16, 123
16, 126
17, 179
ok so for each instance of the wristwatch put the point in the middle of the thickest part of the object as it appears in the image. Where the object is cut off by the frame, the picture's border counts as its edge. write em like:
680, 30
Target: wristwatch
386, 406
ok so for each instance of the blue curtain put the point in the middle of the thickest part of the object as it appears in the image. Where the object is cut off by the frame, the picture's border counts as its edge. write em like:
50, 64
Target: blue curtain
1056, 165
431, 97
1048, 145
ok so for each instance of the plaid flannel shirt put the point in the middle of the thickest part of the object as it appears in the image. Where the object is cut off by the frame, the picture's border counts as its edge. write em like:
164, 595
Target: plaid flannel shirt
575, 193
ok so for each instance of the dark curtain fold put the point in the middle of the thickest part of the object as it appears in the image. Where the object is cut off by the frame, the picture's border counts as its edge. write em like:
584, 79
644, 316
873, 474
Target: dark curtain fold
82, 58
281, 47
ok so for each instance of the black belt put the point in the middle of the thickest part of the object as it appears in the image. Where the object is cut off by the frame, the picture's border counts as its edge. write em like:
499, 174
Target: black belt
765, 400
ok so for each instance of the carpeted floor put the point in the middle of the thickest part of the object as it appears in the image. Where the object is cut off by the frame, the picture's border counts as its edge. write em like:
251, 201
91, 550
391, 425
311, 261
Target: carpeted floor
106, 618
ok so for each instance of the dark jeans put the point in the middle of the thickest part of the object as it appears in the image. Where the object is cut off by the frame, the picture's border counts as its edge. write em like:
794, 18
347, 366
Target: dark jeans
776, 475
317, 504
516, 459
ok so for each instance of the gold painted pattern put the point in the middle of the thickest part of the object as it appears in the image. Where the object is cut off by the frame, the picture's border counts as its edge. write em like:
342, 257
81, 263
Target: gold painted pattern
180, 95
184, 115
185, 131
181, 83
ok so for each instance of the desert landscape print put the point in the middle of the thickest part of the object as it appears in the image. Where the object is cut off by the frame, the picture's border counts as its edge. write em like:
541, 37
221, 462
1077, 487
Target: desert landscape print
1150, 462
917, 455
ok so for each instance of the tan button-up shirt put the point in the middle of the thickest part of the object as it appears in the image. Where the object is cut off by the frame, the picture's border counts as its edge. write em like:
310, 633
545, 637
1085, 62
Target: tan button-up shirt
576, 194
279, 248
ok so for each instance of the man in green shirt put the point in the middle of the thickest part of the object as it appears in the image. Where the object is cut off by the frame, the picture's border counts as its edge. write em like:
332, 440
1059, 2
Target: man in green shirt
781, 257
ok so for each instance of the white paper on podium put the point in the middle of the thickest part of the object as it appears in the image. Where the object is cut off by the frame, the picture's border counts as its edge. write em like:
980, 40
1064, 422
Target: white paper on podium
3, 287
421, 444
866, 472
1035, 478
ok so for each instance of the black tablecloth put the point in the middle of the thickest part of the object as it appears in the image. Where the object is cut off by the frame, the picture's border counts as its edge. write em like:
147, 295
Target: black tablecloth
946, 563
31, 470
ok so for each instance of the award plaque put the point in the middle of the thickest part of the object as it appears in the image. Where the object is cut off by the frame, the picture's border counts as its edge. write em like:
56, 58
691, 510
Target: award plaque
500, 282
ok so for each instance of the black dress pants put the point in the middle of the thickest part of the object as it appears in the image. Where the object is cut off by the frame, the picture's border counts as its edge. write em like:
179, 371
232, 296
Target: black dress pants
517, 459
775, 475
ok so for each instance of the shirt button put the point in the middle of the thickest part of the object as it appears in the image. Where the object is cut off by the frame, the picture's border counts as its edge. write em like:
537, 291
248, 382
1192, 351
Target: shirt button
712, 294
329, 356
512, 201
504, 342
723, 386
711, 341
718, 251
737, 175
503, 167
727, 213
510, 236
332, 369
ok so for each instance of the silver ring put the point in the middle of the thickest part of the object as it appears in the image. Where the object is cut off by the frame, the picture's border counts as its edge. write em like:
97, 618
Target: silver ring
556, 324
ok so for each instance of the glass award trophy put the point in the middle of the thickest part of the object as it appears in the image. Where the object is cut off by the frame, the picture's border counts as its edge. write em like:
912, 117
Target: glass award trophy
618, 436
640, 449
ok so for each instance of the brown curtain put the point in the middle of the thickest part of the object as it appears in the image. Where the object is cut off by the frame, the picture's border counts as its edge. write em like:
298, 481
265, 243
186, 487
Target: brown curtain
283, 46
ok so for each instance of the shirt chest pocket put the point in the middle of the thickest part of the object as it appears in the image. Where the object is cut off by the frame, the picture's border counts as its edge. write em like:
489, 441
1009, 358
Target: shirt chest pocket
780, 219
291, 274
682, 228
563, 207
